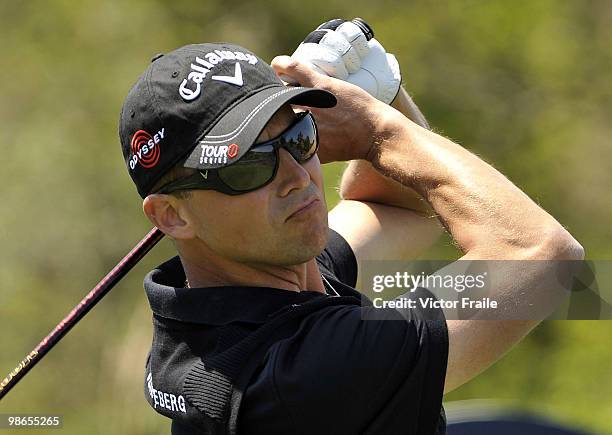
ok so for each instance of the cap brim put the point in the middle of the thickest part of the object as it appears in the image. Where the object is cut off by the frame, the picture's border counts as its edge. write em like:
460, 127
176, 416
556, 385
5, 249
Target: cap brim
236, 131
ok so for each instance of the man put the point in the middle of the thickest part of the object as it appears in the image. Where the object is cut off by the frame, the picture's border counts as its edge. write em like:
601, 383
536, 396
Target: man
258, 326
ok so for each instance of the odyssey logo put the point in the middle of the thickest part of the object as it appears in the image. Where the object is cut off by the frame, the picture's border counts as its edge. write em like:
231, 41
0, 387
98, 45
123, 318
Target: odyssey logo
191, 87
145, 149
218, 154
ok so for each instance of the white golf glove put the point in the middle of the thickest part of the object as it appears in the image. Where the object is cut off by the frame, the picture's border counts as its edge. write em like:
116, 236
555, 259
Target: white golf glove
347, 51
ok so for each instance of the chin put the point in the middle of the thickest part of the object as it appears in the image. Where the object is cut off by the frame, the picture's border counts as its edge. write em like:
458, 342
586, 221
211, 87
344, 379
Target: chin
314, 239
305, 245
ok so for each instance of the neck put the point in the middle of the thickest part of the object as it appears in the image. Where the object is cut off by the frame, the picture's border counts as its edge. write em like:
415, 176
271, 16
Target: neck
217, 271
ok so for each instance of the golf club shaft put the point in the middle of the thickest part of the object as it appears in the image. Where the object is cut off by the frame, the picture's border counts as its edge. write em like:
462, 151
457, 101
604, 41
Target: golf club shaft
77, 313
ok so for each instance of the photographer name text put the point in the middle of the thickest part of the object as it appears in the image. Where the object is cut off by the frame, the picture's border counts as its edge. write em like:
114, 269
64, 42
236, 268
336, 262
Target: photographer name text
430, 303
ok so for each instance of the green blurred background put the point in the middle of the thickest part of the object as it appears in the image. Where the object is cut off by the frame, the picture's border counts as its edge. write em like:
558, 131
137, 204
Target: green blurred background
524, 84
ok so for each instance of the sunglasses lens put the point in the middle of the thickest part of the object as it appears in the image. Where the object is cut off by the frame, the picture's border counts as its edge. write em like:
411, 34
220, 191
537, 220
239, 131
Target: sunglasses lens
257, 167
301, 140
253, 170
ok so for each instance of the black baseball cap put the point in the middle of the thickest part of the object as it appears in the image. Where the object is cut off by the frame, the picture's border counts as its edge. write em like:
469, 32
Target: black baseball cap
203, 106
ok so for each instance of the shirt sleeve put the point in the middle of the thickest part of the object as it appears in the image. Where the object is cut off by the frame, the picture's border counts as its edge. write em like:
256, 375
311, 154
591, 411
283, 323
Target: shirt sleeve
352, 370
338, 259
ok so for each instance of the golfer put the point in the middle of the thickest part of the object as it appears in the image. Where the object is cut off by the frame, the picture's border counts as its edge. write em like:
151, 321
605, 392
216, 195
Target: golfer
258, 326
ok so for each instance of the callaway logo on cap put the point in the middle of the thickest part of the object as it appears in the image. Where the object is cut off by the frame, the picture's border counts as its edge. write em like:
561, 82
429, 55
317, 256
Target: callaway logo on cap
202, 106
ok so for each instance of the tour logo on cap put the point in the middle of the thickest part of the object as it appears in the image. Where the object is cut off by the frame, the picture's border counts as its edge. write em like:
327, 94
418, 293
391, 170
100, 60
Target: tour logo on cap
145, 149
212, 154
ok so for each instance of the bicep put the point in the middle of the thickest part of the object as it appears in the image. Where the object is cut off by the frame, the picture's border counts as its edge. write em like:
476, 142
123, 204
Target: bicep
474, 345
383, 232
477, 343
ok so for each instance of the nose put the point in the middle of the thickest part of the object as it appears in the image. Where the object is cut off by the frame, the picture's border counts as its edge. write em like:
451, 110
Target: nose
291, 174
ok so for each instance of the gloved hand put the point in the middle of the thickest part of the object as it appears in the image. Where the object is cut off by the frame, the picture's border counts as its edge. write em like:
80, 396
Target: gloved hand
348, 51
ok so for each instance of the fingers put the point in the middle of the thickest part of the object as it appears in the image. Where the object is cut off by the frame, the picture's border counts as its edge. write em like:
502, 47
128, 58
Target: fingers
346, 92
353, 34
335, 47
326, 59
331, 51
347, 50
297, 72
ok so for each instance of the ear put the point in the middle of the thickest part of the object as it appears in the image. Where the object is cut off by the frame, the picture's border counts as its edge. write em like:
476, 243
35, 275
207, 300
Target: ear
168, 213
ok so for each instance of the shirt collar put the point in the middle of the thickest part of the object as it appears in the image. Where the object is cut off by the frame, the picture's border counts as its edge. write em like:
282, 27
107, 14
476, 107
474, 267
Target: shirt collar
217, 306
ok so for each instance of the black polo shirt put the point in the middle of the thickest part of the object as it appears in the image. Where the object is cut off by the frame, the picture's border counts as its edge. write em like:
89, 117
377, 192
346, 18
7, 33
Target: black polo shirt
343, 370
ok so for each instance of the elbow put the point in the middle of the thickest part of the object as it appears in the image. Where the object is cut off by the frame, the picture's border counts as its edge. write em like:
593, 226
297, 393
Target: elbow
559, 244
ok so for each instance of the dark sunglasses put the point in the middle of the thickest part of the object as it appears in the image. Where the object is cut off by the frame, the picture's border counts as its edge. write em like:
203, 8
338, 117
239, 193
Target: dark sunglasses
259, 165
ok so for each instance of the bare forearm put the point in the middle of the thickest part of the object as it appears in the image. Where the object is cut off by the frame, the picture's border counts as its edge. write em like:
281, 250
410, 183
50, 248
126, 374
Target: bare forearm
486, 214
361, 181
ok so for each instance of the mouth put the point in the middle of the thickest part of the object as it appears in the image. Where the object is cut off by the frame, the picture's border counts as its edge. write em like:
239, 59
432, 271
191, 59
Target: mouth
304, 208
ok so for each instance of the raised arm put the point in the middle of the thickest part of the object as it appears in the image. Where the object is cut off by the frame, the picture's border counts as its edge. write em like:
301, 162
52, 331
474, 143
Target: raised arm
400, 223
487, 216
